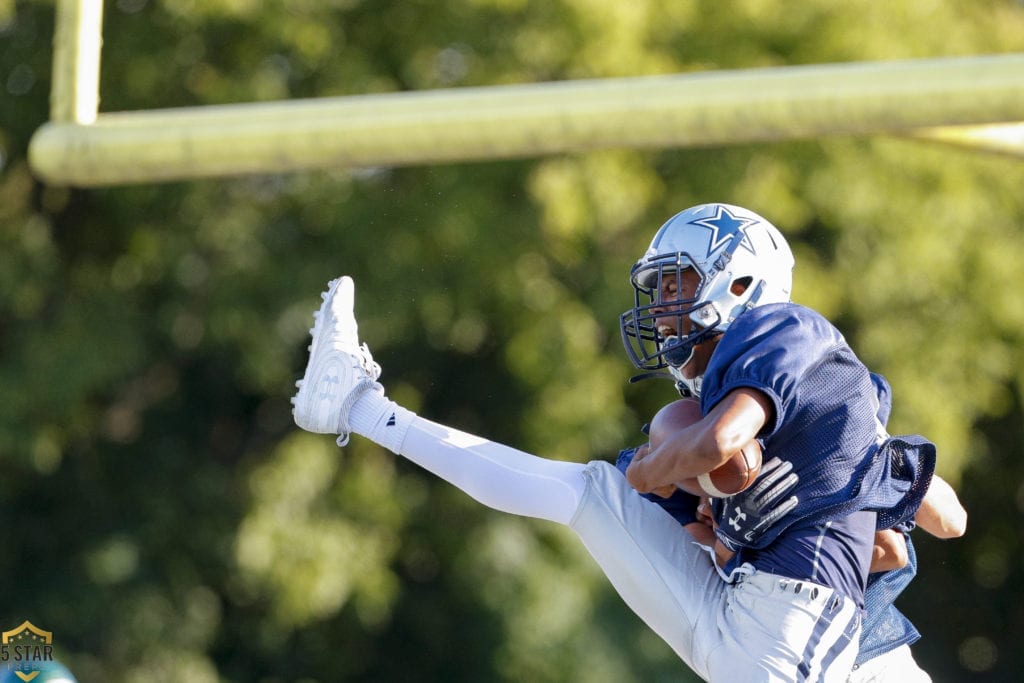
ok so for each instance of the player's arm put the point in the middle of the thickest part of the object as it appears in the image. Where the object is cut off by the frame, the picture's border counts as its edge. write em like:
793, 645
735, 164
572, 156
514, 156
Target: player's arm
703, 446
941, 513
703, 530
706, 534
890, 551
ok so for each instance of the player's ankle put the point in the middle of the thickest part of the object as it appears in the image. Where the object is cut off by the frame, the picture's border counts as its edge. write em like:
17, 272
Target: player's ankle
380, 420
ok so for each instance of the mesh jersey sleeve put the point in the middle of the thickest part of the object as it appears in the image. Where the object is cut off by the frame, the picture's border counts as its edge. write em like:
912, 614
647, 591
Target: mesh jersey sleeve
885, 628
772, 348
884, 392
827, 410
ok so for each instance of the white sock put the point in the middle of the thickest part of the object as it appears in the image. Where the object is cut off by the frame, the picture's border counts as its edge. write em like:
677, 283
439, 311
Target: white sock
380, 420
496, 475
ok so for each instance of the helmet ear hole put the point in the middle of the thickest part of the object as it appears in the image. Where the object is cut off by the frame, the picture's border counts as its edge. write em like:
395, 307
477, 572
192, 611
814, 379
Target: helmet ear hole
740, 285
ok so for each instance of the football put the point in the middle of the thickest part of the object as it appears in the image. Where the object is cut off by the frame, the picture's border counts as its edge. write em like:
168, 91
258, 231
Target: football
733, 476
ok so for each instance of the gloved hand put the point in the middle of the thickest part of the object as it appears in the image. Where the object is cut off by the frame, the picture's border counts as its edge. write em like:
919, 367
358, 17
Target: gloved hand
742, 519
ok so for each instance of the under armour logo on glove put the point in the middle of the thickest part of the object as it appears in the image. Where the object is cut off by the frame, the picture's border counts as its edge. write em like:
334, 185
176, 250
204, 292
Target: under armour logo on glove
748, 515
734, 521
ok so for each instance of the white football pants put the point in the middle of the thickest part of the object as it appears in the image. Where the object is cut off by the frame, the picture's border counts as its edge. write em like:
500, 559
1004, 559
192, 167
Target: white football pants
895, 666
762, 627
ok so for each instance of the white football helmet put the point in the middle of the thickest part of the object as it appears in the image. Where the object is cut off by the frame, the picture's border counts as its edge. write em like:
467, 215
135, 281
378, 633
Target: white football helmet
742, 260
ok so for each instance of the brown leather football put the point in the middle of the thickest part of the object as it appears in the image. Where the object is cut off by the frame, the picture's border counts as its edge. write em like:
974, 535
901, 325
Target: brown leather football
733, 476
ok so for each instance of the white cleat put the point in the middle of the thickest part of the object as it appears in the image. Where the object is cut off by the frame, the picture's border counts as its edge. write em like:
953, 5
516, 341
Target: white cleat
339, 368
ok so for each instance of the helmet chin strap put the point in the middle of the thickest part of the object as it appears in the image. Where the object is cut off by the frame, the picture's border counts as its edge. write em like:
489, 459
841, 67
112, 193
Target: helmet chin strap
677, 354
686, 386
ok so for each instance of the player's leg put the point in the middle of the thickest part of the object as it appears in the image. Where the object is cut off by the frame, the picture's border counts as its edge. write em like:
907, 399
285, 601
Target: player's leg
652, 562
656, 567
780, 629
496, 475
895, 666
339, 393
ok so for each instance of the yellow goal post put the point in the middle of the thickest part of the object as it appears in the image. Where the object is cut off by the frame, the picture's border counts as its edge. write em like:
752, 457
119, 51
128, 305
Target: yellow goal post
974, 101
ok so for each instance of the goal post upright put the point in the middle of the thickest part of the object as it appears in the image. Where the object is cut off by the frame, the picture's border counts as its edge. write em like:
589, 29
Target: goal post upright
77, 40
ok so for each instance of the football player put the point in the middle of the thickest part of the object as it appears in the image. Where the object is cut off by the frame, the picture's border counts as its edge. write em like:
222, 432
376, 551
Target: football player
884, 652
716, 279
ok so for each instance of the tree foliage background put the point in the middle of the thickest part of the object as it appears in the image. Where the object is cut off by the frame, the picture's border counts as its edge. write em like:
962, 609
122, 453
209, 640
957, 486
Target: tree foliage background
164, 518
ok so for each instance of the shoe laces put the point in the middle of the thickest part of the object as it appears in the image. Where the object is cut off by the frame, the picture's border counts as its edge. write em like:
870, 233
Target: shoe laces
366, 362
362, 360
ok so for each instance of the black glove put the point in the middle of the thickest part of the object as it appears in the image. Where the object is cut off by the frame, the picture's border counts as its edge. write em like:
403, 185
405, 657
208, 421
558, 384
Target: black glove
742, 519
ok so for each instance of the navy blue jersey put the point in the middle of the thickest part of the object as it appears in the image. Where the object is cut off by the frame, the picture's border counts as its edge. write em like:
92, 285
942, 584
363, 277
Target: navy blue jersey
833, 553
885, 628
825, 418
836, 553
884, 393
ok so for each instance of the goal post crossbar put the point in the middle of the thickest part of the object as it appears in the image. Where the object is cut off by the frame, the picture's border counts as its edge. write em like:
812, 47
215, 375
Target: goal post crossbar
975, 101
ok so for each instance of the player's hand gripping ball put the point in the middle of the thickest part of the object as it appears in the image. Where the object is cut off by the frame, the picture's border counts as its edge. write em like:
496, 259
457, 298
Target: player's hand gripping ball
729, 478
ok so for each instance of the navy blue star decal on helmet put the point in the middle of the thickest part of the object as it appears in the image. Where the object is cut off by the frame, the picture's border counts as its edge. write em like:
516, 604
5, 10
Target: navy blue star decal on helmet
726, 227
